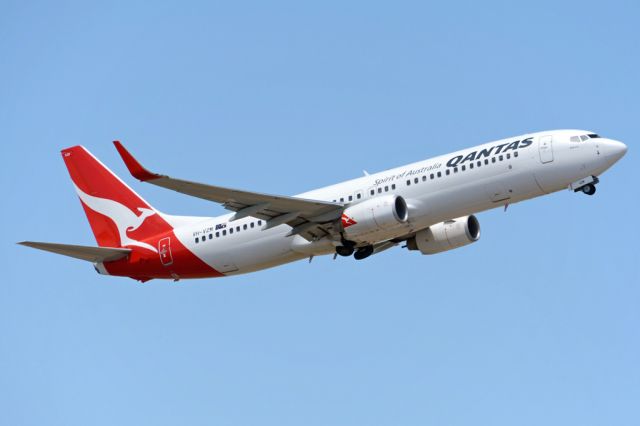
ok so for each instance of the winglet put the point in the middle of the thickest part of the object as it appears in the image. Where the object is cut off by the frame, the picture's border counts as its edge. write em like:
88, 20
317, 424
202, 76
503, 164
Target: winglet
135, 168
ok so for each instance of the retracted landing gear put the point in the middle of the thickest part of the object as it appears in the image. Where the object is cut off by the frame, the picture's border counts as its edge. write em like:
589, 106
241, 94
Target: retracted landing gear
363, 252
586, 185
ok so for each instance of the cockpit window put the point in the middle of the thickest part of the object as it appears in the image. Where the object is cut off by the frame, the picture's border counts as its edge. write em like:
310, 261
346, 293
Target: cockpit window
581, 138
593, 136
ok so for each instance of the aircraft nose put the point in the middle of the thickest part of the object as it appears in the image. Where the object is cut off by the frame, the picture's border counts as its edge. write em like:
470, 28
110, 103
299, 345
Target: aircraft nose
614, 150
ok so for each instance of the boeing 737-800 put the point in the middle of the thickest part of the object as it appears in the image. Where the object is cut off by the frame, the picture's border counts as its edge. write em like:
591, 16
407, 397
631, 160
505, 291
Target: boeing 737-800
427, 206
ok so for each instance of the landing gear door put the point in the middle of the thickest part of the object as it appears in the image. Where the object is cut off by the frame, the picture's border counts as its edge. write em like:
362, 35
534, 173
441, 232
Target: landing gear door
164, 250
545, 148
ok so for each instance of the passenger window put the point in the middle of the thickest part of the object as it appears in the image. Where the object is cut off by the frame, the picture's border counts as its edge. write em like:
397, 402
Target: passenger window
358, 196
218, 234
508, 156
471, 165
251, 224
350, 197
515, 154
373, 192
224, 232
230, 230
380, 190
479, 163
501, 158
259, 223
447, 172
424, 178
408, 182
244, 226
486, 161
386, 189
342, 199
416, 180
211, 236
493, 160
455, 170
439, 174
197, 240
431, 176
464, 168
393, 186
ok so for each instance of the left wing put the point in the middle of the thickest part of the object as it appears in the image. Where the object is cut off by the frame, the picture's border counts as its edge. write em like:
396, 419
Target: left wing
309, 218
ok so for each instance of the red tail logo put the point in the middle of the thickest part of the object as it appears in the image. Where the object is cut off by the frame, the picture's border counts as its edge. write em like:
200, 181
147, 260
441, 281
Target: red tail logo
118, 216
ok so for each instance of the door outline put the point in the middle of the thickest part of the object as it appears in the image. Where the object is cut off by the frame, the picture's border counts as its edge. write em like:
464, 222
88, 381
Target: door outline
545, 148
164, 251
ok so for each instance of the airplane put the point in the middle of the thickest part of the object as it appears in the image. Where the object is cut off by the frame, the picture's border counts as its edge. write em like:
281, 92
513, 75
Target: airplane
428, 206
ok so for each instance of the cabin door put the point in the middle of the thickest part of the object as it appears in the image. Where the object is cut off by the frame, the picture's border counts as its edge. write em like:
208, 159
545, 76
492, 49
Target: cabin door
545, 148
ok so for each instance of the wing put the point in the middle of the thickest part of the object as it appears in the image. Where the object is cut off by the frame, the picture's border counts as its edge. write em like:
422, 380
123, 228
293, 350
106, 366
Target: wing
91, 254
310, 218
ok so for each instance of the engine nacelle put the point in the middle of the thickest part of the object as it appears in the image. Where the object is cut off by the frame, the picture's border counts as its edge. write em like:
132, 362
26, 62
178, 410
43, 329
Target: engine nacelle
376, 219
446, 235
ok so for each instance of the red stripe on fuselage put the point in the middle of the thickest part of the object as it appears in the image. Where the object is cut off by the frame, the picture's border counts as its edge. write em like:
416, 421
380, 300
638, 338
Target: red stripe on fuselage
144, 264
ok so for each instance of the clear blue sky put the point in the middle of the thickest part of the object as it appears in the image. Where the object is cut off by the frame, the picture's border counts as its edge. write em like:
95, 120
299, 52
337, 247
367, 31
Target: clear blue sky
538, 323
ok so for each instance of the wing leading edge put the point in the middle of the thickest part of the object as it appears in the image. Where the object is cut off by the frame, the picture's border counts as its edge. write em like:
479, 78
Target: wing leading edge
309, 218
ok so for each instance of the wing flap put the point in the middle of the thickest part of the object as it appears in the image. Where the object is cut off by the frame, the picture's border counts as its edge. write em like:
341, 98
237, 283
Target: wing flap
90, 254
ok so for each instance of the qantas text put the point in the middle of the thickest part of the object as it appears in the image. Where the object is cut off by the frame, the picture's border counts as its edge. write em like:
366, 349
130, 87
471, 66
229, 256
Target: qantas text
476, 155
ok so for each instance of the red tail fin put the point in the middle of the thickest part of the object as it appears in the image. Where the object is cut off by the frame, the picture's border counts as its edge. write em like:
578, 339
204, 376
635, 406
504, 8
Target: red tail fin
118, 216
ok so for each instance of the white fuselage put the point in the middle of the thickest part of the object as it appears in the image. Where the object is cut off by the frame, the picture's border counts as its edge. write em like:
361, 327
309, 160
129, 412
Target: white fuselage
435, 190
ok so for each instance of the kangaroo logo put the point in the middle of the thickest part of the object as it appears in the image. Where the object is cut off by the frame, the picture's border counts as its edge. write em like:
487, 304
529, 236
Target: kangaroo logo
121, 215
347, 221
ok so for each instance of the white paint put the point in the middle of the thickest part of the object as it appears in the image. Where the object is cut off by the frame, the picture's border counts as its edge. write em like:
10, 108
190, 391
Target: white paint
430, 202
125, 219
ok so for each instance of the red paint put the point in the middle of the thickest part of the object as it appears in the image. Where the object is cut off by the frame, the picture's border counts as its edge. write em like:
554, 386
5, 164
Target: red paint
94, 179
347, 221
135, 168
164, 250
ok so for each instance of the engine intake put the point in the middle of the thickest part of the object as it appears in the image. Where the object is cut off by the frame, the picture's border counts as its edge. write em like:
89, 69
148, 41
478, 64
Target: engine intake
446, 235
376, 219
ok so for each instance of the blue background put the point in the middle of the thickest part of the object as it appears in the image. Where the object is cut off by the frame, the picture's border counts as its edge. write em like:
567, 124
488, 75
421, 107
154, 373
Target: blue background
538, 323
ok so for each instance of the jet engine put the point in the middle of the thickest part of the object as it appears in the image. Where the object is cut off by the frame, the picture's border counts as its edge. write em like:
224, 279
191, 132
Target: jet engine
446, 235
376, 219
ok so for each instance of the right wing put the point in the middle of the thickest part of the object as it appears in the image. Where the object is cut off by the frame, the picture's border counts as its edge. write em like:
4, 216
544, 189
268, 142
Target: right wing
309, 218
91, 254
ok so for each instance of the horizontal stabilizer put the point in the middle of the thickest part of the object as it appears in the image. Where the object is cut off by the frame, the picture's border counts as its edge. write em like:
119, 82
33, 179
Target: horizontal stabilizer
91, 254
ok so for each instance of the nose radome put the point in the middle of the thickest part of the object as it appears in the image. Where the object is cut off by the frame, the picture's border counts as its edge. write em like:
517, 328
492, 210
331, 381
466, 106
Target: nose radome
614, 150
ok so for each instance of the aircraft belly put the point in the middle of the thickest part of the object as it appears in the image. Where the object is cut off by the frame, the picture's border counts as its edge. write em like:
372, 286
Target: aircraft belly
238, 257
474, 197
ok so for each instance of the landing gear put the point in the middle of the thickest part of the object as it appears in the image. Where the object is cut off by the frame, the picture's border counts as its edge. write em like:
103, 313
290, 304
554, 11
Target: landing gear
586, 185
363, 252
345, 250
589, 189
